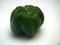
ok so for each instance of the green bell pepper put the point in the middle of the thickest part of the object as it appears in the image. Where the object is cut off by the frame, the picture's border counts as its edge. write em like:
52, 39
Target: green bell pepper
26, 20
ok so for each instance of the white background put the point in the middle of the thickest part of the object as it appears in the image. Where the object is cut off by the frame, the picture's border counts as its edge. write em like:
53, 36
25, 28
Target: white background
48, 33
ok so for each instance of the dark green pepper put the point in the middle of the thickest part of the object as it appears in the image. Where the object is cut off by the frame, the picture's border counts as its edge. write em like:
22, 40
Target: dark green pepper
26, 20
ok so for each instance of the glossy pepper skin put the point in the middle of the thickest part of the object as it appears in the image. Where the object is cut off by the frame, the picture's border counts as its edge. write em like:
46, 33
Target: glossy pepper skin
26, 20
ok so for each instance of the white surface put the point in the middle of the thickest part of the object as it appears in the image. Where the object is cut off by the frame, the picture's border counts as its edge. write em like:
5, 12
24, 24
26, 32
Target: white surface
49, 32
